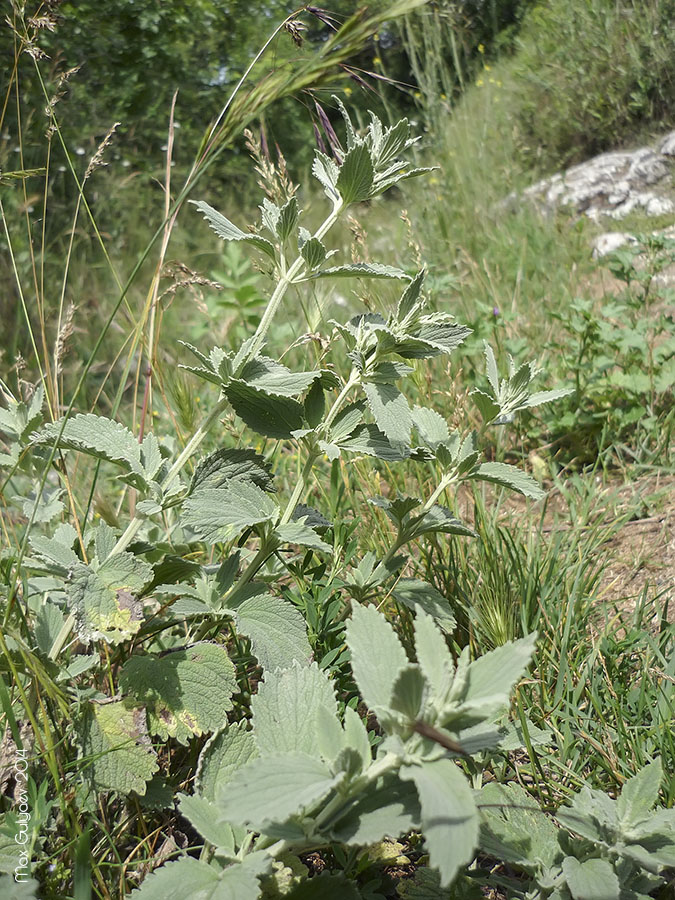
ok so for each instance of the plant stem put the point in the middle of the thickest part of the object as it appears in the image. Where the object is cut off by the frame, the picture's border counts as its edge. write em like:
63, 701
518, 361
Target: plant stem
354, 378
284, 283
445, 482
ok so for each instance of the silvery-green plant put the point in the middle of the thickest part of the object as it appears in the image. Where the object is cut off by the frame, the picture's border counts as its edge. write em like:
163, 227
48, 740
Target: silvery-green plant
593, 847
305, 775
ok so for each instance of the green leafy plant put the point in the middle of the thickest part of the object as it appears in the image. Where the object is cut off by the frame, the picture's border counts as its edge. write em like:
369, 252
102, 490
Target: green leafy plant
594, 846
161, 624
621, 353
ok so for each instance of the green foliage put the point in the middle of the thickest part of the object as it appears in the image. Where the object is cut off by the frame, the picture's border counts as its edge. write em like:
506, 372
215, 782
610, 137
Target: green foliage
621, 354
240, 643
595, 848
590, 73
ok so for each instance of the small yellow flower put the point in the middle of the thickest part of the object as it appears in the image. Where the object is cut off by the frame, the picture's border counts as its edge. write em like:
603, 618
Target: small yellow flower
481, 48
487, 68
377, 61
417, 95
348, 90
443, 97
479, 83
499, 84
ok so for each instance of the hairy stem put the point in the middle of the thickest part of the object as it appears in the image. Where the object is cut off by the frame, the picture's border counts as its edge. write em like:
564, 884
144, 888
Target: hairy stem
282, 286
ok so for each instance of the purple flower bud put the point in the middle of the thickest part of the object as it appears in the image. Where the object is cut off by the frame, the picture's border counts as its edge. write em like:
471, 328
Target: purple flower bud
495, 311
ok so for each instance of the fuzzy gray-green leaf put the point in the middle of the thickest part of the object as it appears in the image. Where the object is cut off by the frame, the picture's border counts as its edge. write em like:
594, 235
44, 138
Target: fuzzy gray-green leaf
285, 710
219, 514
390, 410
273, 788
313, 252
276, 629
511, 477
228, 464
204, 882
228, 231
222, 756
370, 440
413, 592
449, 816
594, 879
361, 270
377, 655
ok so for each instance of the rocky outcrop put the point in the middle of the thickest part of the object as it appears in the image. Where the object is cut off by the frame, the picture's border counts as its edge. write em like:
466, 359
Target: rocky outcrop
614, 184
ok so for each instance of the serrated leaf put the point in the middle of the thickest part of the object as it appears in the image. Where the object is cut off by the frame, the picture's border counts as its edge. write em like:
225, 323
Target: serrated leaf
315, 405
439, 520
377, 656
116, 751
276, 629
356, 175
170, 882
45, 507
413, 592
370, 440
515, 829
225, 465
222, 756
639, 795
347, 420
449, 819
105, 601
219, 514
491, 366
487, 407
590, 814
271, 377
356, 736
313, 252
288, 218
274, 788
511, 477
540, 397
186, 692
302, 534
270, 215
390, 410
228, 231
96, 436
431, 427
495, 673
594, 879
268, 414
48, 624
326, 171
389, 809
361, 270
410, 299
285, 710
312, 517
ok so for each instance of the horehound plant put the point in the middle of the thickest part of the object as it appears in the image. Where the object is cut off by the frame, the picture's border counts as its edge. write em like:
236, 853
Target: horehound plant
177, 603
